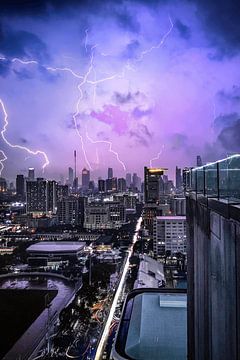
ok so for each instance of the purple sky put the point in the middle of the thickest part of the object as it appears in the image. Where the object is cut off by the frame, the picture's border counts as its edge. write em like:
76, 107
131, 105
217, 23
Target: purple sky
157, 76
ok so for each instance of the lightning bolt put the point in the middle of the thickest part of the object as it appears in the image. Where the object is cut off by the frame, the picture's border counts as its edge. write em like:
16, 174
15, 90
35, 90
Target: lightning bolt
160, 44
4, 158
109, 143
4, 129
157, 157
84, 80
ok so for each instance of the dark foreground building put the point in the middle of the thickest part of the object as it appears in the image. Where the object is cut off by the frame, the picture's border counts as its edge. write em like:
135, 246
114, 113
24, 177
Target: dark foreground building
213, 219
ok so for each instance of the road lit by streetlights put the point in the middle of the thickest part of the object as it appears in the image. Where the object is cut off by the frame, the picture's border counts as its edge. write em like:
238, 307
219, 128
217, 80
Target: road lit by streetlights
117, 295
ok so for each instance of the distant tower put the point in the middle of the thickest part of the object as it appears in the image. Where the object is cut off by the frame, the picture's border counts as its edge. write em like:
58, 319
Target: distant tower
31, 175
110, 173
178, 178
75, 164
85, 178
75, 181
199, 160
70, 176
128, 179
20, 184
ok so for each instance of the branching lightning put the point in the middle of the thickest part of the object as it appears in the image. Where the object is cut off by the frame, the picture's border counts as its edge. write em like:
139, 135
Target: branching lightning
4, 129
84, 80
4, 158
109, 143
160, 44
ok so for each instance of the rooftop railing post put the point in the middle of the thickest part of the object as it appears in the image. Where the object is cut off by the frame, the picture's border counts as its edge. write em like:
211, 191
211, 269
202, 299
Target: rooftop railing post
204, 181
218, 181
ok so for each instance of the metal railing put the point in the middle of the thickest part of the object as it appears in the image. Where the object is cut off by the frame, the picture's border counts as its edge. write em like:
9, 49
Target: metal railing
220, 179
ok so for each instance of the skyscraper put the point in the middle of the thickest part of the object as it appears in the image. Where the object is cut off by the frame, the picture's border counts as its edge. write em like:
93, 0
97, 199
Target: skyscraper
199, 160
31, 175
128, 180
121, 185
85, 178
114, 184
41, 196
108, 185
152, 178
70, 176
20, 186
110, 173
135, 180
178, 178
101, 185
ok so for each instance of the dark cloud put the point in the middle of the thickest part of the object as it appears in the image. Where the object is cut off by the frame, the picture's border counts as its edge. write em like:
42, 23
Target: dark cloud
178, 141
233, 95
225, 120
23, 74
221, 21
142, 135
183, 29
22, 44
229, 137
138, 112
4, 67
70, 124
23, 141
128, 21
121, 98
131, 49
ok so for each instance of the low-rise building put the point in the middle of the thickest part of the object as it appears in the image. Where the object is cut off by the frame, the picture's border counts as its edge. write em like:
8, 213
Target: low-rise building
150, 274
60, 249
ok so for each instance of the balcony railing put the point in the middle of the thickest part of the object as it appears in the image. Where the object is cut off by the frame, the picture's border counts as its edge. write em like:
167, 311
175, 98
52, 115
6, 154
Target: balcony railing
220, 179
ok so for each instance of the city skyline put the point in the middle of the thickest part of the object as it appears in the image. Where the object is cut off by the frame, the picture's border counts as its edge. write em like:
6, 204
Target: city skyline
162, 85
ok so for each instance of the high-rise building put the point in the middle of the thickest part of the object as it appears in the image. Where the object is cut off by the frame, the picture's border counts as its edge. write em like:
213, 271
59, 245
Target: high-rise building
186, 177
85, 178
114, 184
169, 234
75, 185
104, 215
70, 211
91, 186
178, 178
20, 186
152, 178
3, 185
135, 181
70, 176
122, 185
108, 185
128, 180
199, 160
31, 174
110, 173
62, 191
213, 229
41, 196
101, 185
